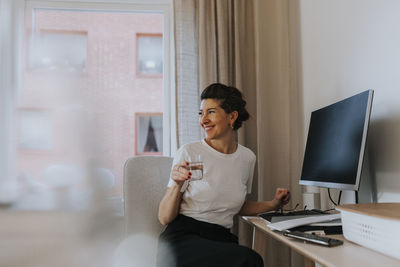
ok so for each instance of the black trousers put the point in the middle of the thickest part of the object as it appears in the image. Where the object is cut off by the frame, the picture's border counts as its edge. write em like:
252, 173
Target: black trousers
187, 242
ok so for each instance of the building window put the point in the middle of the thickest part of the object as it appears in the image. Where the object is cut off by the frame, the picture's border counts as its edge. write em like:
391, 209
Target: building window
149, 54
57, 50
35, 130
149, 134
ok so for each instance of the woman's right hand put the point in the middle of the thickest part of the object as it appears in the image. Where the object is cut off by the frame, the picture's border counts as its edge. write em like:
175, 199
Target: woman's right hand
169, 205
180, 173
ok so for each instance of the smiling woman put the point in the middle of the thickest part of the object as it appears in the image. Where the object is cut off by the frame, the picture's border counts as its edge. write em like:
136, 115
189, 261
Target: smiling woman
199, 212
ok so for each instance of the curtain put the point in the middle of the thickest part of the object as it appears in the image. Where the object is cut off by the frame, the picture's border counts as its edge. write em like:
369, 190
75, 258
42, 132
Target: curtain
278, 107
143, 128
158, 131
187, 85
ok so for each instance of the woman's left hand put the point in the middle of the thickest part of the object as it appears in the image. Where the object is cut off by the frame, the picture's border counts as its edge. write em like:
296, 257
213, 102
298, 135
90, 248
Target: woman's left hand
282, 197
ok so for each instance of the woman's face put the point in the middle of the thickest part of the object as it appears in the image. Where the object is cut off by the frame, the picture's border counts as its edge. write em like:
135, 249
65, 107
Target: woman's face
215, 122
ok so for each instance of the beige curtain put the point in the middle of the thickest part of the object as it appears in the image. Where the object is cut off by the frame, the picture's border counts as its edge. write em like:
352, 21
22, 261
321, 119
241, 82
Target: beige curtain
278, 108
187, 77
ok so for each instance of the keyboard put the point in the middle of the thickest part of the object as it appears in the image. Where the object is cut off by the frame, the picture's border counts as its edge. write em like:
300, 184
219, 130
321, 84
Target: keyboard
303, 212
275, 216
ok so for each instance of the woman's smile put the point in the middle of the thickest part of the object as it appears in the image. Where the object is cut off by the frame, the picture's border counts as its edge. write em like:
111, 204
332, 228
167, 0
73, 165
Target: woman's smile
208, 128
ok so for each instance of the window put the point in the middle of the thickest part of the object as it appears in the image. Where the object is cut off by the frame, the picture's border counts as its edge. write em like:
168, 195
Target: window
35, 129
149, 134
149, 54
86, 120
57, 50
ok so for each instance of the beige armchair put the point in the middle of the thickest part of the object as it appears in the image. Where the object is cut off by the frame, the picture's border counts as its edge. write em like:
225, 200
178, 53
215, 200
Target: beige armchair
145, 182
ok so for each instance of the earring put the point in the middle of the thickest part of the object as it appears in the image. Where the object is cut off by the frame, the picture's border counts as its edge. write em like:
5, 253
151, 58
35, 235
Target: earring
232, 126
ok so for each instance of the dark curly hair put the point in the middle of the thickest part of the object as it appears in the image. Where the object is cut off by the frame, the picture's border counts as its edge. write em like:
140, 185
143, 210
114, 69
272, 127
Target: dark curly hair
231, 99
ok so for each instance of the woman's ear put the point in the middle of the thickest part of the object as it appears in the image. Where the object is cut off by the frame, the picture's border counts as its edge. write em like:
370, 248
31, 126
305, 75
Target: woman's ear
234, 115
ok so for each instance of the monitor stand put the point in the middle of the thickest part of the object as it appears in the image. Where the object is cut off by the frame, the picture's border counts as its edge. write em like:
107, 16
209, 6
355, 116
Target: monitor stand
367, 189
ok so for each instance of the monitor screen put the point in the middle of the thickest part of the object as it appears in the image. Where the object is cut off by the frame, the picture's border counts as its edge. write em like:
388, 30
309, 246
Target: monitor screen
336, 142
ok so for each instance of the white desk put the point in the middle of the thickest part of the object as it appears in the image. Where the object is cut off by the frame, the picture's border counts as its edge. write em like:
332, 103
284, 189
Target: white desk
347, 255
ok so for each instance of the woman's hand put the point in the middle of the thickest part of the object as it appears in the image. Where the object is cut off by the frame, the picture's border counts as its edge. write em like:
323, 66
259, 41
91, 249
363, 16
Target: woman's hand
169, 205
252, 208
180, 173
282, 197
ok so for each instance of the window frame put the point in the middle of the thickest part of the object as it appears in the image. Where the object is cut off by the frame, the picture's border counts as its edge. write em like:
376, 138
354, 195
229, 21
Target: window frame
12, 15
164, 7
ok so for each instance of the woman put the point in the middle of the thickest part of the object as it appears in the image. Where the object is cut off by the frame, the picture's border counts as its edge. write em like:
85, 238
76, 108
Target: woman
199, 213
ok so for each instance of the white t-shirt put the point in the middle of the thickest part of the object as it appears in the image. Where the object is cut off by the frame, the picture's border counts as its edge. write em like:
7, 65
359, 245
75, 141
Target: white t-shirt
226, 179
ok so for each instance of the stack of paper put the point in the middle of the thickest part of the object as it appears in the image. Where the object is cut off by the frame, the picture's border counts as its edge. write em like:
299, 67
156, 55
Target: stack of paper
288, 224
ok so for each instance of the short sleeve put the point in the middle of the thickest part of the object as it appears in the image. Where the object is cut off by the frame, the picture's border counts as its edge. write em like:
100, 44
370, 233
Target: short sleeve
179, 157
251, 173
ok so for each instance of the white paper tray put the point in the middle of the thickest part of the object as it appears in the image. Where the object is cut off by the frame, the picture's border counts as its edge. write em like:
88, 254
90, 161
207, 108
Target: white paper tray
376, 233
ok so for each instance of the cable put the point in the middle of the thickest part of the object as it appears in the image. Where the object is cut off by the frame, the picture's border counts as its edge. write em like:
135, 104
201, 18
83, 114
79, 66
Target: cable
293, 208
340, 195
328, 210
329, 194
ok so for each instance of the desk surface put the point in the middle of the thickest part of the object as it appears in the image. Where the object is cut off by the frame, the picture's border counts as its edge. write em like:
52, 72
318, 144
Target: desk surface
347, 255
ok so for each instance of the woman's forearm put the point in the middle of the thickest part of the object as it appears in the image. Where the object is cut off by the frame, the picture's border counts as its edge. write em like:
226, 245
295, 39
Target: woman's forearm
169, 205
251, 208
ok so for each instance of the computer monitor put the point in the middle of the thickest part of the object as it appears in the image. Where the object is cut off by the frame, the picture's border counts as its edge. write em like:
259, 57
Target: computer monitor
336, 141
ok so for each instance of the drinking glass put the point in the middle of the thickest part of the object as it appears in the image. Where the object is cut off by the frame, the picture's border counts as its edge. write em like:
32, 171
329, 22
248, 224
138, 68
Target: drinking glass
195, 166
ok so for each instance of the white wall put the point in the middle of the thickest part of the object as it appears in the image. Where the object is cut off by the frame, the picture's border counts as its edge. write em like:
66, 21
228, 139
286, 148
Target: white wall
345, 47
